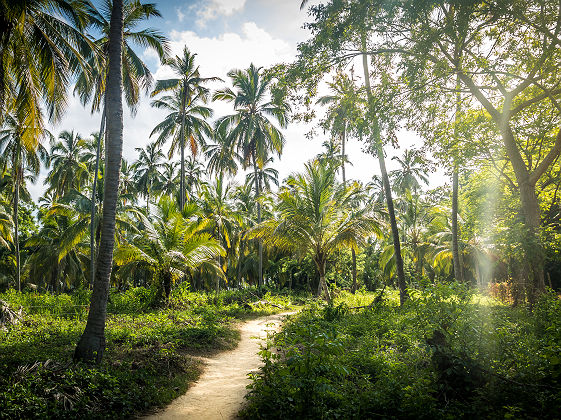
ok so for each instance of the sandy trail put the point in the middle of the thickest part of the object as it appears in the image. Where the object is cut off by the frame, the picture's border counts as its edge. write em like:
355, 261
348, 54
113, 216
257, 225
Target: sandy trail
219, 392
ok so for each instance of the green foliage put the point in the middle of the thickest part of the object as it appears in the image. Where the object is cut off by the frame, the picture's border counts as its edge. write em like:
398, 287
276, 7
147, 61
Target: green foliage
448, 353
148, 360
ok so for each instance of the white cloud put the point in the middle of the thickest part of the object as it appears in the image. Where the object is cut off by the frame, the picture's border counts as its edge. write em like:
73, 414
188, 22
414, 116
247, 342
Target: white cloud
212, 9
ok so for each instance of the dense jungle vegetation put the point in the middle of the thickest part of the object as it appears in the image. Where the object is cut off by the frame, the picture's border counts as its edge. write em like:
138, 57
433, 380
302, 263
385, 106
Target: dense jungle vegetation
418, 301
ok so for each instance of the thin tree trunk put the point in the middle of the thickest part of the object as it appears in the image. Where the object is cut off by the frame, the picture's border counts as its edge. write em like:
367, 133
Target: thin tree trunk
182, 146
322, 286
386, 182
92, 343
257, 192
94, 191
353, 253
458, 272
15, 179
219, 264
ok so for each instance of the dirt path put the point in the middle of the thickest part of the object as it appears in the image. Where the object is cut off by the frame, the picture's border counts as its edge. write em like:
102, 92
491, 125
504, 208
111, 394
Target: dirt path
219, 392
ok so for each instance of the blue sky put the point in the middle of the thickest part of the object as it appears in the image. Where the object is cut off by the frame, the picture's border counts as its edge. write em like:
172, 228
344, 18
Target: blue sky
228, 34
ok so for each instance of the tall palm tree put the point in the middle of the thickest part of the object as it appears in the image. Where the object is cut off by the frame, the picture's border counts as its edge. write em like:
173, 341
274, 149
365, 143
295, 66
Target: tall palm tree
22, 154
92, 343
222, 158
413, 168
168, 181
315, 217
135, 74
187, 91
267, 176
342, 107
216, 206
42, 45
251, 130
67, 167
147, 170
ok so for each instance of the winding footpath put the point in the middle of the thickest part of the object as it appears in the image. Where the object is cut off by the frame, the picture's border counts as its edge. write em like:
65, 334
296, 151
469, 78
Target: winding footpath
219, 393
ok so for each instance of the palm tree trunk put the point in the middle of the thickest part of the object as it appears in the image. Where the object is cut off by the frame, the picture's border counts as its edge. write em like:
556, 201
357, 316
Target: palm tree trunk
257, 192
94, 190
386, 182
15, 179
219, 263
458, 272
322, 286
182, 146
92, 343
353, 253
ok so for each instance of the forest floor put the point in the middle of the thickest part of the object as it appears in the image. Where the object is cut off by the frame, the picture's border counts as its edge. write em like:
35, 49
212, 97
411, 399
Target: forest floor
219, 393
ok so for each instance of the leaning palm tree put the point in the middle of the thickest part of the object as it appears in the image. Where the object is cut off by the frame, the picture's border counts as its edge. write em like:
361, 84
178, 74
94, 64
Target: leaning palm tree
67, 168
147, 170
251, 130
315, 217
188, 91
135, 74
22, 154
170, 246
92, 343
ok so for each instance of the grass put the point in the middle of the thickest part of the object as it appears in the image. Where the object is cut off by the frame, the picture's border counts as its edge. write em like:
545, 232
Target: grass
447, 353
149, 358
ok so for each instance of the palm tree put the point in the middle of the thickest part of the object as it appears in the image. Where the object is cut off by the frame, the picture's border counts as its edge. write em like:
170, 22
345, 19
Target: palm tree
170, 246
188, 90
251, 131
341, 109
267, 176
92, 343
42, 45
315, 217
413, 169
68, 170
220, 154
22, 154
217, 208
135, 74
168, 180
147, 169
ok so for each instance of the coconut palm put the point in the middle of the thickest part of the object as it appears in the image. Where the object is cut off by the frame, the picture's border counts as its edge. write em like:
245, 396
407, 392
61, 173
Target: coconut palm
171, 245
251, 129
186, 121
168, 181
147, 170
135, 75
267, 177
92, 343
216, 205
22, 154
67, 167
413, 168
42, 45
222, 158
315, 217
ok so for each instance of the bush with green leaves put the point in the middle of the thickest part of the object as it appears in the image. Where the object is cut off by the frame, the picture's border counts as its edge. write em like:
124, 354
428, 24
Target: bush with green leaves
447, 353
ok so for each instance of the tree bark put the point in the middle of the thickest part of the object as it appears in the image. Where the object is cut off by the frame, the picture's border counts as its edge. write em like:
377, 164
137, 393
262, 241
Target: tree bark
15, 180
260, 242
458, 272
94, 190
322, 286
92, 343
386, 183
182, 146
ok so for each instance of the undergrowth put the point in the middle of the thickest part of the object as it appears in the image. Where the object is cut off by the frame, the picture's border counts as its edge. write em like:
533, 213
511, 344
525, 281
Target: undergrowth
148, 361
447, 353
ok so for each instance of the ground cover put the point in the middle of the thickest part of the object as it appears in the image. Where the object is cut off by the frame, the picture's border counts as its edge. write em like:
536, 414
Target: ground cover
150, 356
447, 353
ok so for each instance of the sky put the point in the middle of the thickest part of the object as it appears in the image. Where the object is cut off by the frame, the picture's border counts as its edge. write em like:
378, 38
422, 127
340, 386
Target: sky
227, 34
